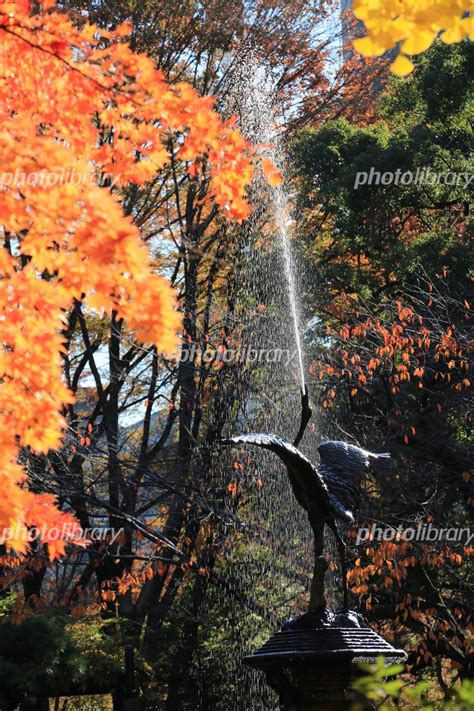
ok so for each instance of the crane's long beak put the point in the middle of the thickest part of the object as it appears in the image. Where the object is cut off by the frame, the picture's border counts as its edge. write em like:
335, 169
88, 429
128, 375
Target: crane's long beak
306, 414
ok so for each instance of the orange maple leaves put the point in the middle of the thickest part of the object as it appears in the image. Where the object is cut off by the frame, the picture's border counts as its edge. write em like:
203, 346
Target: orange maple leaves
397, 344
80, 99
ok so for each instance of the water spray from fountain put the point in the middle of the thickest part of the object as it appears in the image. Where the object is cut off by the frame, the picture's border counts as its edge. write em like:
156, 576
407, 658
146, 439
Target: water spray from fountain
260, 96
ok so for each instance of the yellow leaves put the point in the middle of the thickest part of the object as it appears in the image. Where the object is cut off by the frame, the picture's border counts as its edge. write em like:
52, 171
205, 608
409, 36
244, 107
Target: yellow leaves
418, 42
412, 24
367, 47
402, 66
456, 33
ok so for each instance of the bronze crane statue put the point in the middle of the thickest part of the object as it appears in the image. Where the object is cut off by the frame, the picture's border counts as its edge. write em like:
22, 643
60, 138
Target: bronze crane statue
329, 493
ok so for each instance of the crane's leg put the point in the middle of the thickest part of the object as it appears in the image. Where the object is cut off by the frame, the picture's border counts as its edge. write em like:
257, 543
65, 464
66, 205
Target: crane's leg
342, 554
317, 599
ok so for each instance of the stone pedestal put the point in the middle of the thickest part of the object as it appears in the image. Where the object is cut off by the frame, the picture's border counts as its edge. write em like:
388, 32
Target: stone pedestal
312, 661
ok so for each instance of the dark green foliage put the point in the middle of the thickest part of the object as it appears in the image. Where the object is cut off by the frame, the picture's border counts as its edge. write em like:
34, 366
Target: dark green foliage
426, 122
42, 656
379, 685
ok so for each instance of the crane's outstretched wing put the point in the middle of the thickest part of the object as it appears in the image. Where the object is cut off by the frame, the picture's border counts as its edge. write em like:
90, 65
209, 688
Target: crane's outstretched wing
308, 484
291, 456
343, 467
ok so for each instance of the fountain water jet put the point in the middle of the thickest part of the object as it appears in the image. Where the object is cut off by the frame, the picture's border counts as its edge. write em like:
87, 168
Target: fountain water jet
284, 223
258, 119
